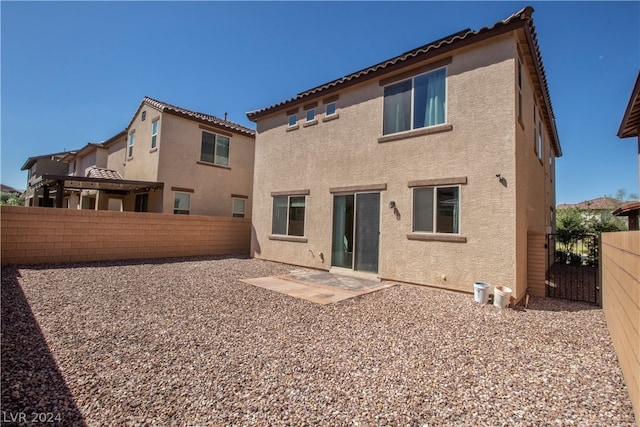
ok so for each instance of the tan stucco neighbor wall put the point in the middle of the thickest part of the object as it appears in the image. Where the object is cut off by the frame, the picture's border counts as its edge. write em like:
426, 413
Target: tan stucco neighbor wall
48, 235
477, 142
621, 304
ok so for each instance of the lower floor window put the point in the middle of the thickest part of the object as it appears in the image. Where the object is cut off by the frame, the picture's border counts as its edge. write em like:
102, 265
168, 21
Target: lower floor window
181, 203
288, 215
239, 206
142, 202
436, 209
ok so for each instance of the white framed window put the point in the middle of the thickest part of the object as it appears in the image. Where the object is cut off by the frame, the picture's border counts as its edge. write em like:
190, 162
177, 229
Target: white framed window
535, 130
293, 120
288, 215
132, 137
436, 209
311, 114
540, 140
181, 203
239, 207
519, 89
214, 149
154, 133
331, 109
415, 103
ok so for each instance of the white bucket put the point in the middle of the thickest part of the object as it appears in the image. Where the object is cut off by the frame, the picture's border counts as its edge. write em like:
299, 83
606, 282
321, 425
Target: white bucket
501, 296
481, 292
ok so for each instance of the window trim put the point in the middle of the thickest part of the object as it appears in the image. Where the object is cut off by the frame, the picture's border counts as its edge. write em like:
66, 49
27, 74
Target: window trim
457, 182
411, 76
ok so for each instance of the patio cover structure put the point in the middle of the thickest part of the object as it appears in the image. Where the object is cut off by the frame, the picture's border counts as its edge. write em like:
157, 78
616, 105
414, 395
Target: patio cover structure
60, 183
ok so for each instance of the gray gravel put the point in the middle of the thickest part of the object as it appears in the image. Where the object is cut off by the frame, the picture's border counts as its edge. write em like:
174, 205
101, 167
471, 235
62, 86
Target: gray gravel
183, 342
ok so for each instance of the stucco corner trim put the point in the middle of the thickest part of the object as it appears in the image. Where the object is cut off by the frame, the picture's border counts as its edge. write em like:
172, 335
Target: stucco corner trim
428, 237
416, 132
296, 239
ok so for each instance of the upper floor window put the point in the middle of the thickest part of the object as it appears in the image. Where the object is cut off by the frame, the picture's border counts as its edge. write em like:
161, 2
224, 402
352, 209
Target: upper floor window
519, 89
214, 149
415, 103
288, 215
154, 133
331, 109
540, 141
293, 120
132, 137
311, 114
436, 209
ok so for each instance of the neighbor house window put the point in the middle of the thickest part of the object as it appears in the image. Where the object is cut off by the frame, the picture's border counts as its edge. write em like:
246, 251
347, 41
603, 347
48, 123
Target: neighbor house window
154, 133
519, 90
293, 120
132, 137
142, 202
540, 141
415, 103
331, 109
436, 209
239, 206
288, 215
215, 149
181, 203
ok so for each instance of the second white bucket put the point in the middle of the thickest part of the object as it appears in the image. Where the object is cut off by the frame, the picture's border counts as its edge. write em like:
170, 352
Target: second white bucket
501, 296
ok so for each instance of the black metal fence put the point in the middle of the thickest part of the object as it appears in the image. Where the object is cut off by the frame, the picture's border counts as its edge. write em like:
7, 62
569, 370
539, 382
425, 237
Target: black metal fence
572, 271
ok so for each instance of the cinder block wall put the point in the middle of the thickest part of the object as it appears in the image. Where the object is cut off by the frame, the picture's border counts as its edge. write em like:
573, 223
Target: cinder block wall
31, 235
621, 304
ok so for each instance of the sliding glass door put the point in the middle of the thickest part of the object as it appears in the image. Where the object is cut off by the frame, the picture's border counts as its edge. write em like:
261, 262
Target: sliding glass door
356, 229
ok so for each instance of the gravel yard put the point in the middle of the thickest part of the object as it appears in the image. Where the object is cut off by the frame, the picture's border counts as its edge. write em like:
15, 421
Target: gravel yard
183, 342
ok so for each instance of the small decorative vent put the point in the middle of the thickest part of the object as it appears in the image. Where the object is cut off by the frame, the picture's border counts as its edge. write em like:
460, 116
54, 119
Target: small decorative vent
144, 115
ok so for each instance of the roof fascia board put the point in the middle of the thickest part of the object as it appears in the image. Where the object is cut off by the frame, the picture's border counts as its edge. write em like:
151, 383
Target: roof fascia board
627, 129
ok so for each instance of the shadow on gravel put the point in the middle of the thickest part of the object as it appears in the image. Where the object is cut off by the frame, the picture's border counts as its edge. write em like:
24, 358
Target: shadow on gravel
556, 304
33, 389
127, 262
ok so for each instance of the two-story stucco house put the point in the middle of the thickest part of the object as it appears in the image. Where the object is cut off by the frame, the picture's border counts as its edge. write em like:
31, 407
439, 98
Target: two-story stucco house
433, 167
168, 160
37, 166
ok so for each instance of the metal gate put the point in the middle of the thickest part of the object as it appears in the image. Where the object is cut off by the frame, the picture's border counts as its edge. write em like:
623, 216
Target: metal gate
572, 271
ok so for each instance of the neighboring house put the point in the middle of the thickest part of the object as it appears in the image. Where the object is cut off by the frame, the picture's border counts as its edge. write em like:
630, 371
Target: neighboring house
630, 128
599, 208
9, 189
432, 167
37, 166
168, 160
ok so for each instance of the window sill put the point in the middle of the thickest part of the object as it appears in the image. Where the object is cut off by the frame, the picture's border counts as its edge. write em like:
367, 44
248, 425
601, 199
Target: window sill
200, 162
292, 128
153, 150
310, 123
298, 239
331, 117
416, 132
437, 237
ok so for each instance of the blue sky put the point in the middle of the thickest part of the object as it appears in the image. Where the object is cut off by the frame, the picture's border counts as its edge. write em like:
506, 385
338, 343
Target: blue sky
75, 72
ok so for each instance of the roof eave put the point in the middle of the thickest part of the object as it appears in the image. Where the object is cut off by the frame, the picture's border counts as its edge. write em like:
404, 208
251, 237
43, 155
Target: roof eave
630, 125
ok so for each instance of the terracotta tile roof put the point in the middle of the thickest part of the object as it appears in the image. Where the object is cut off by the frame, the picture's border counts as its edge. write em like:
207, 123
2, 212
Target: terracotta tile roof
194, 115
103, 173
520, 19
630, 125
601, 203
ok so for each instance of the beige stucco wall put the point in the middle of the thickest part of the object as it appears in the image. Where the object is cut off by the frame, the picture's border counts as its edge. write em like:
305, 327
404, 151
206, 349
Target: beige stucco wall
210, 187
346, 151
117, 156
143, 164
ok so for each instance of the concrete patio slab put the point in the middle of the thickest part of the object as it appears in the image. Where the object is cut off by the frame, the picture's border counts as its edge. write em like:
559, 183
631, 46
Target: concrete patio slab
318, 287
